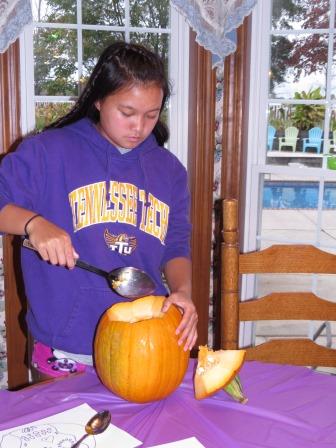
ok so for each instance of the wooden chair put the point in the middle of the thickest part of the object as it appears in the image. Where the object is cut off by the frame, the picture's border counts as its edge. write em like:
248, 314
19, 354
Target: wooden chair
277, 305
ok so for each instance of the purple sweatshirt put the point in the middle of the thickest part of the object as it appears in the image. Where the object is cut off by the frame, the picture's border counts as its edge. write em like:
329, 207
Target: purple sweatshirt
127, 209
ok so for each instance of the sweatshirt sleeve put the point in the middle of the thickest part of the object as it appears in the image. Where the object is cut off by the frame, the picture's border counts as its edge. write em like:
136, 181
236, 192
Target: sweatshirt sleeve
23, 174
179, 228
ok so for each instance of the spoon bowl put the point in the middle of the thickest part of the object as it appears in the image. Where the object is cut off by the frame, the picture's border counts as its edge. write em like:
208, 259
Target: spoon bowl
96, 425
126, 281
131, 282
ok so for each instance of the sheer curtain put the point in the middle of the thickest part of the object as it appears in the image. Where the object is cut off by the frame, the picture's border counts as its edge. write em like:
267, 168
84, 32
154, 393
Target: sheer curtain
14, 15
214, 22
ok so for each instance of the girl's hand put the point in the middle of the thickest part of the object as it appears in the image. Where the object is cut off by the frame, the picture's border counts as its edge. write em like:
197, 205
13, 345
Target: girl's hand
188, 325
53, 243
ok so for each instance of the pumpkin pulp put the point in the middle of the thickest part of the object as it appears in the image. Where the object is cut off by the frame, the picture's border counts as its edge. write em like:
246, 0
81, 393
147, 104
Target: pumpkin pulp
215, 370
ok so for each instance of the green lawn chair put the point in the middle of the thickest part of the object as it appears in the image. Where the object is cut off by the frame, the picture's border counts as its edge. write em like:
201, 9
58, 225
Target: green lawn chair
290, 139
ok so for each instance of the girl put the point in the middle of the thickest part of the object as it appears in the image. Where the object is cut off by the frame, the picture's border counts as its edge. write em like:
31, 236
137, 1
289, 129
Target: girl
97, 183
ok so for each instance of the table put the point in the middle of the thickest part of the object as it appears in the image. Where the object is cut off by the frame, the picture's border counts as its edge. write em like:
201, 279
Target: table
288, 407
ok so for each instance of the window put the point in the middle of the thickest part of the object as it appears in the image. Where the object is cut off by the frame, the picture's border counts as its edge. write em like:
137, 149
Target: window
60, 49
291, 181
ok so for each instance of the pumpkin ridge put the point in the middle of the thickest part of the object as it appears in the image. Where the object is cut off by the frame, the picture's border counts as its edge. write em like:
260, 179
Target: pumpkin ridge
163, 378
173, 348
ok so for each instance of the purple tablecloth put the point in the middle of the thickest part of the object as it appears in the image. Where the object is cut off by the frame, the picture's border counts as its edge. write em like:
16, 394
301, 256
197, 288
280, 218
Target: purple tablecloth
288, 407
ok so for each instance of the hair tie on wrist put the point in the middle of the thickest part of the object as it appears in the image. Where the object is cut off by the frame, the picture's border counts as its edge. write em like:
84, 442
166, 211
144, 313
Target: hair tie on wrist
29, 221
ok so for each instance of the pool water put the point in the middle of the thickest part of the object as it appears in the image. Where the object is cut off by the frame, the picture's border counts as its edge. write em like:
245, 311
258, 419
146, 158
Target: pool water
294, 194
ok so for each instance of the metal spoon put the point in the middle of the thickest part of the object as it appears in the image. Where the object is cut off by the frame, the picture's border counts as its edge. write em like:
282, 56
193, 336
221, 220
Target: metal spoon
127, 281
96, 425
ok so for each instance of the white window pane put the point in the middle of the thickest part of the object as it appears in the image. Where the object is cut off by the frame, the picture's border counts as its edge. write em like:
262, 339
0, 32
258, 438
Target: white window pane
103, 12
298, 64
94, 43
54, 12
55, 61
46, 113
149, 13
289, 209
300, 15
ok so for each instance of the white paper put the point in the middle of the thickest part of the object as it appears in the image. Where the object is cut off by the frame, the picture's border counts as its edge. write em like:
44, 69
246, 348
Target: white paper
192, 442
62, 430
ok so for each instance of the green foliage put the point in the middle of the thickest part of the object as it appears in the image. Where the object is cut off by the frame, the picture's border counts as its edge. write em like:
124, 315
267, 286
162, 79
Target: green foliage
280, 48
46, 113
280, 118
151, 14
286, 11
306, 116
280, 125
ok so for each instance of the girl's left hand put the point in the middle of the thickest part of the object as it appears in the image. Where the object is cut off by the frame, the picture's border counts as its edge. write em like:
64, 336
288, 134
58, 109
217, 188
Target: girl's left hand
188, 325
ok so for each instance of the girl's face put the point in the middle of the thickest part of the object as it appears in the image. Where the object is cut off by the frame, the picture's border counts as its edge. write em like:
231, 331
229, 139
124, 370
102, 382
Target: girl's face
128, 116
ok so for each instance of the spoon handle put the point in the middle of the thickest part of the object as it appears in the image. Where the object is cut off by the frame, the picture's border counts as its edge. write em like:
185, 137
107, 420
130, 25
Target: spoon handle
77, 444
80, 263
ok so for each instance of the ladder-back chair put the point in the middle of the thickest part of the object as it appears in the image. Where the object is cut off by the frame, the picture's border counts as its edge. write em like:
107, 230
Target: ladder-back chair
277, 305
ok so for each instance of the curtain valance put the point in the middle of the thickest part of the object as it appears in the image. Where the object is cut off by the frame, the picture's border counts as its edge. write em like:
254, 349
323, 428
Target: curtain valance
215, 22
14, 15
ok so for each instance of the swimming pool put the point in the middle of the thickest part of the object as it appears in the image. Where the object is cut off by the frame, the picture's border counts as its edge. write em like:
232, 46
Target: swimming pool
297, 194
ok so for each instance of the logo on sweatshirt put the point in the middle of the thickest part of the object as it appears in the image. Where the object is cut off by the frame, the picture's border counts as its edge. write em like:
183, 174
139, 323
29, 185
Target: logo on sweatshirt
122, 243
124, 203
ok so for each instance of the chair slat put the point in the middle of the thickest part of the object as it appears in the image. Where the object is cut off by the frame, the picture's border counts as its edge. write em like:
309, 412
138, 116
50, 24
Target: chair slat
284, 306
288, 259
274, 306
292, 351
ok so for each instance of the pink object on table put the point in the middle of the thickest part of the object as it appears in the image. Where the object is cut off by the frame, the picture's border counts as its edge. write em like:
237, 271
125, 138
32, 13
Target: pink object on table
44, 360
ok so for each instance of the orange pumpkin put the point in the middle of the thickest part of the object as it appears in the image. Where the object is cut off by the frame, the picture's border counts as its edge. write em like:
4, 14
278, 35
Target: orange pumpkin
136, 352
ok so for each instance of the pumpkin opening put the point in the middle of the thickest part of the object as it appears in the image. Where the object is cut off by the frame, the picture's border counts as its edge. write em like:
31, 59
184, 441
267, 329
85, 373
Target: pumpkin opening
215, 370
142, 309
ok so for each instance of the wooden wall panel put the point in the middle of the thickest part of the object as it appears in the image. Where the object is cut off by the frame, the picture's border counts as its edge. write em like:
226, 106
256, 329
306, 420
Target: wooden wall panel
234, 119
200, 168
10, 134
234, 149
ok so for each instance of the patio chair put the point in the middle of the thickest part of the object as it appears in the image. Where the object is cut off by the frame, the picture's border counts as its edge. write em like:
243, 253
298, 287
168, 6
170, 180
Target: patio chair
293, 305
314, 139
290, 139
332, 143
270, 137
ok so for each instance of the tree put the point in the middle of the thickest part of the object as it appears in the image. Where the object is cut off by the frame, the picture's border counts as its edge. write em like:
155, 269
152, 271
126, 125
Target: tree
285, 12
309, 55
55, 49
299, 55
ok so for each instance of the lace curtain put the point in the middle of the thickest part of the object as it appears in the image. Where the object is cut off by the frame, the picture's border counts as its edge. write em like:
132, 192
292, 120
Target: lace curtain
14, 15
214, 22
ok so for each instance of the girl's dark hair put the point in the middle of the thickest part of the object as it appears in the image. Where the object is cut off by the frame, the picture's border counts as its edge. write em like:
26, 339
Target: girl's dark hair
119, 65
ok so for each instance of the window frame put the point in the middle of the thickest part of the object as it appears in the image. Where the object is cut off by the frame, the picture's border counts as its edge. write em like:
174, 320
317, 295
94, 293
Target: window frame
258, 119
178, 75
256, 166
